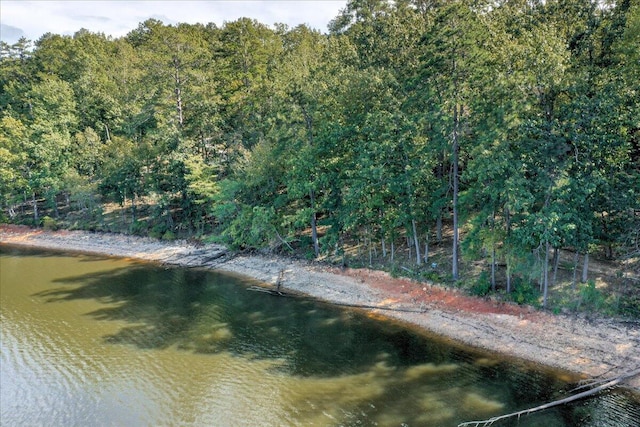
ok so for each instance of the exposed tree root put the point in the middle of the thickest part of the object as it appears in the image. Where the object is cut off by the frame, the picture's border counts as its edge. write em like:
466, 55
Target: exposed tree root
605, 384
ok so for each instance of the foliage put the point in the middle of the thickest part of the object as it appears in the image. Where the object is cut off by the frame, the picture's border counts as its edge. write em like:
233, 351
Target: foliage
514, 123
525, 293
169, 235
590, 297
629, 306
481, 286
49, 223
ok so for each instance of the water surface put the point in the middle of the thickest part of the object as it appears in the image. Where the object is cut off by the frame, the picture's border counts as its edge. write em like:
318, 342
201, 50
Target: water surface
101, 341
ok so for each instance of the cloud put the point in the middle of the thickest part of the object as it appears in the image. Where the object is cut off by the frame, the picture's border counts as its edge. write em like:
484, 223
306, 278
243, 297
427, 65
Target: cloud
92, 18
117, 18
10, 34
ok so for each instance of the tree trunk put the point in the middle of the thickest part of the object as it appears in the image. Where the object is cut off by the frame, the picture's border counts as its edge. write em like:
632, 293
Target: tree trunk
546, 274
384, 249
493, 268
575, 270
585, 268
308, 119
56, 212
539, 262
416, 242
393, 250
314, 226
124, 207
133, 208
440, 176
454, 269
426, 249
556, 261
178, 92
493, 252
36, 217
507, 218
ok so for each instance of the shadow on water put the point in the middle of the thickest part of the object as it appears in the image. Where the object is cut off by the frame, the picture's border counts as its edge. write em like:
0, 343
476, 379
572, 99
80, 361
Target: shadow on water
208, 313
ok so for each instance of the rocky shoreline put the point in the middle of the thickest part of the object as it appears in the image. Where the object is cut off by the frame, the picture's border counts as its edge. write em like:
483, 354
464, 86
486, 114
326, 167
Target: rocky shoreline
589, 348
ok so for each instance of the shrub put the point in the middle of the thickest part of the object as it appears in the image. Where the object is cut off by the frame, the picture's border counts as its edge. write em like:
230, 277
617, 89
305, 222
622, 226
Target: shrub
169, 235
482, 285
591, 298
49, 223
629, 306
431, 275
525, 293
154, 235
158, 231
138, 227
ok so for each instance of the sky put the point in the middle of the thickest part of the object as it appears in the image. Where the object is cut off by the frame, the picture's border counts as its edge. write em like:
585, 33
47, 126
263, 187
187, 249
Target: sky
116, 18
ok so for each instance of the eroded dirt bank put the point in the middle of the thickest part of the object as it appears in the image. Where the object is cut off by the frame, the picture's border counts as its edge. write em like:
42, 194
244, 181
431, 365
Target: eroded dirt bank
591, 348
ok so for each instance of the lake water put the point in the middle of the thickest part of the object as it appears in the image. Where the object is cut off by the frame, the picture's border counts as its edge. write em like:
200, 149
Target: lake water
90, 341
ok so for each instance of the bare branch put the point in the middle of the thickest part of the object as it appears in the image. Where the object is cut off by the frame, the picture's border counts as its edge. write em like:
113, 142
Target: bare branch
611, 383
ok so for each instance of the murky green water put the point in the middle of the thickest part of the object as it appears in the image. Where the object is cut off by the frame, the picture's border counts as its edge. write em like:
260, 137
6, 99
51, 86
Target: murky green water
90, 341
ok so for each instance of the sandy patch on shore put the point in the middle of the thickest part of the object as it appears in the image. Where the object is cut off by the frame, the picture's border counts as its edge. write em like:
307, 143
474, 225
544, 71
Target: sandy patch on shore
591, 348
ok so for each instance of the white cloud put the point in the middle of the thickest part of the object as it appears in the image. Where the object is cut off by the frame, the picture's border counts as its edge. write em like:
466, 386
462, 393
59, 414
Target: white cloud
117, 18
11, 33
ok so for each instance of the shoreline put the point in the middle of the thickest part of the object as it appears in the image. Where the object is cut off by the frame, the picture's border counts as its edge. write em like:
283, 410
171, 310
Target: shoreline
587, 348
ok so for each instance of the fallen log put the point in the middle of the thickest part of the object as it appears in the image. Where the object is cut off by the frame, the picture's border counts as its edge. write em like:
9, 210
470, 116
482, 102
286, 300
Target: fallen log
213, 257
606, 385
278, 293
273, 292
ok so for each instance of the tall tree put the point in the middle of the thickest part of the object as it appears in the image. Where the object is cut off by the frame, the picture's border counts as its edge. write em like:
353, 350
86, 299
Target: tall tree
14, 136
305, 87
52, 122
452, 47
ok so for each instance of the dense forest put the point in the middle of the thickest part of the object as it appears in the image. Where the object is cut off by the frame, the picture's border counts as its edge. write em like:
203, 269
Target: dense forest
508, 129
